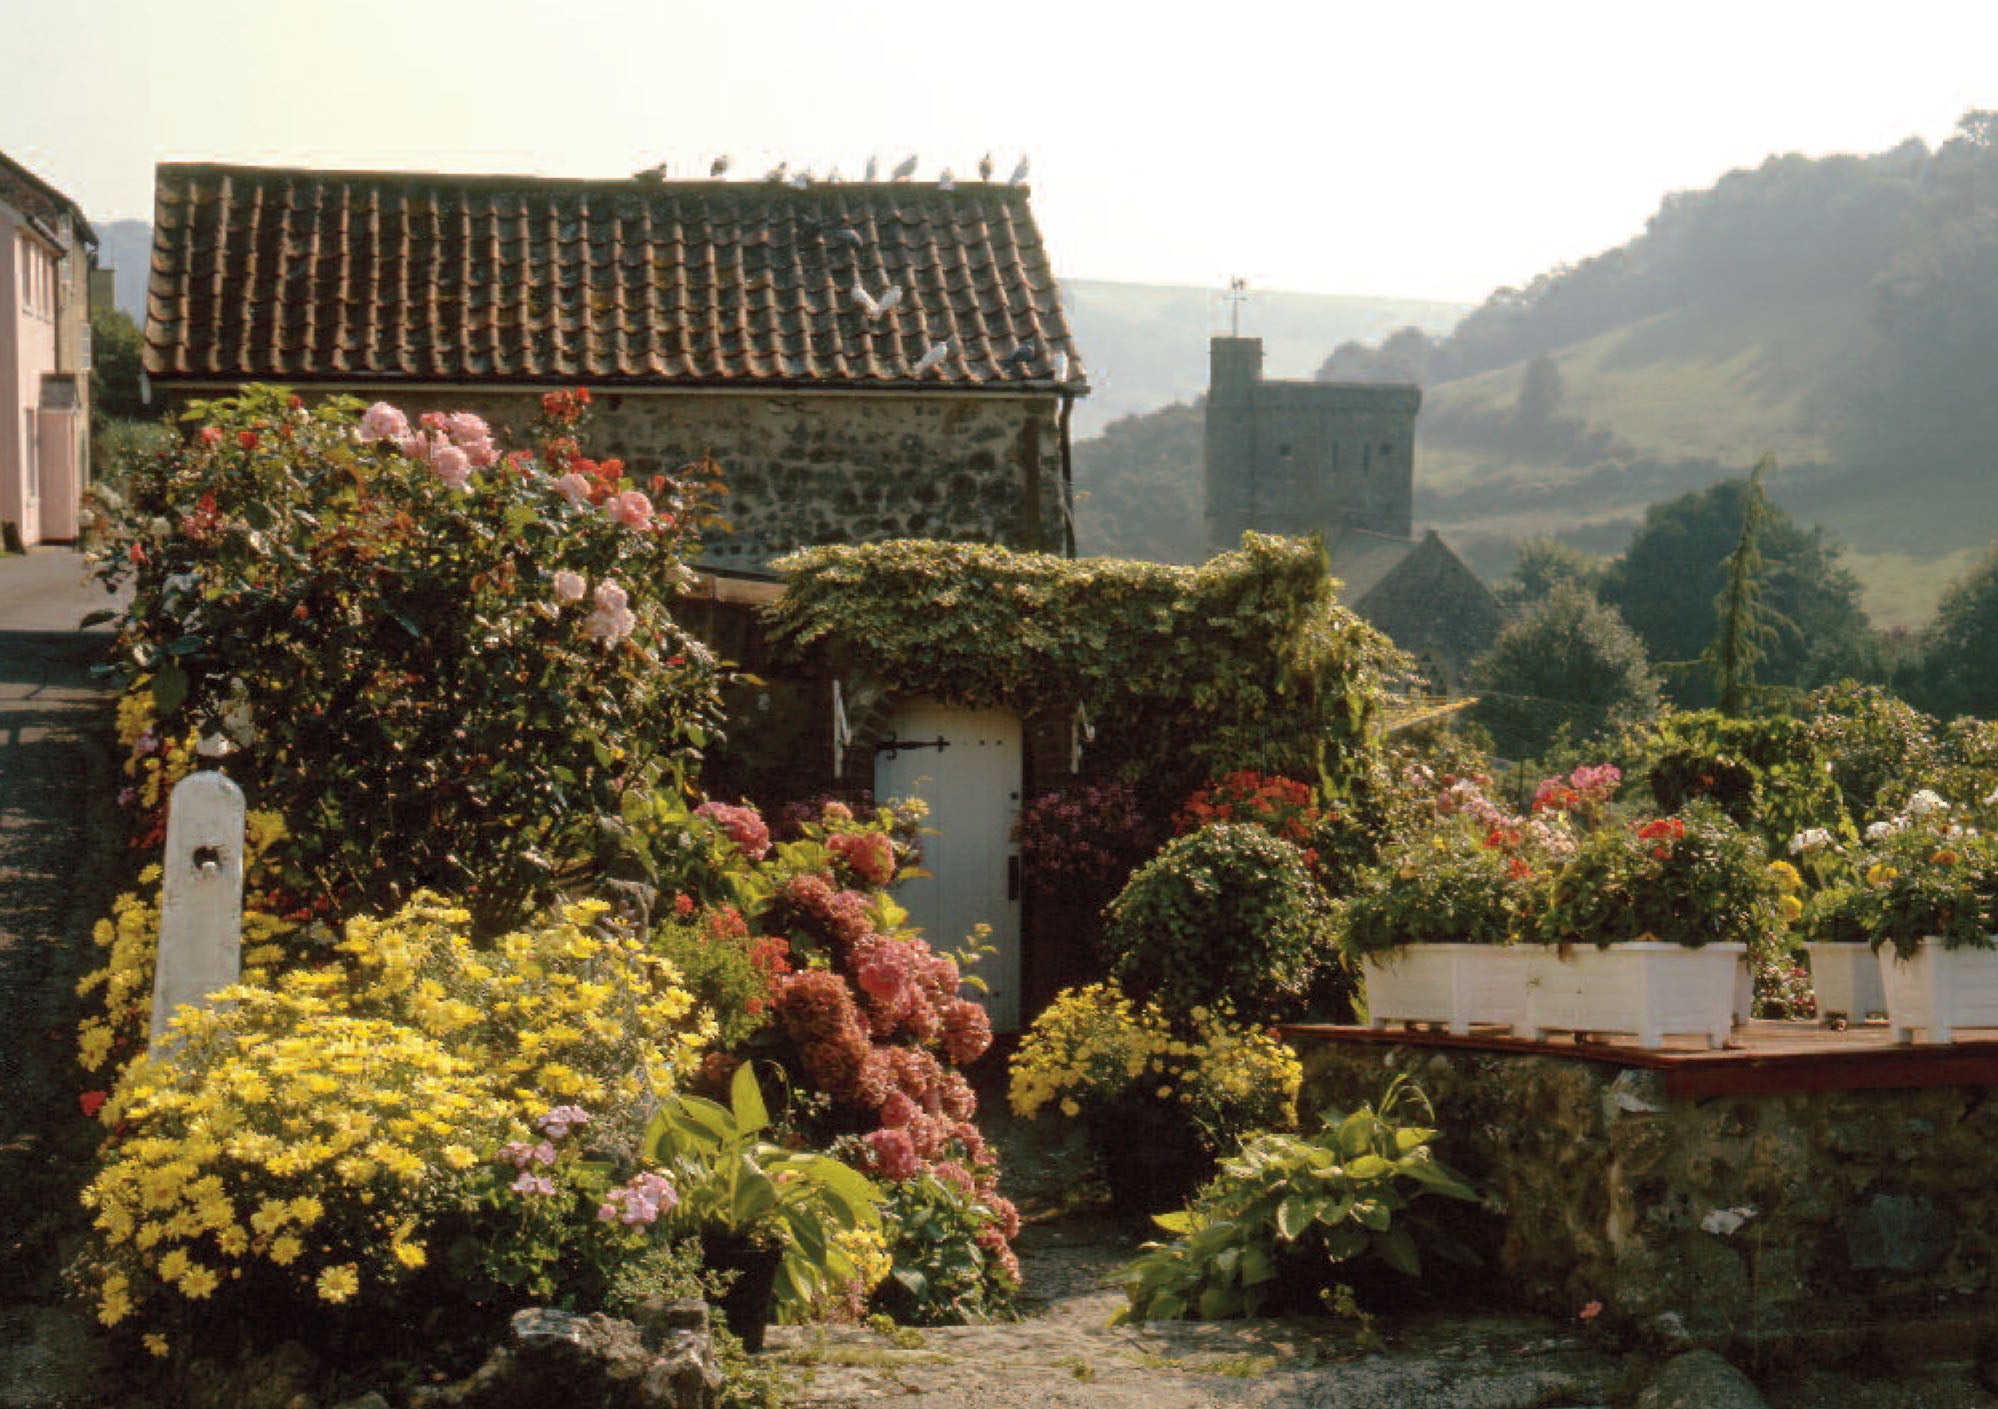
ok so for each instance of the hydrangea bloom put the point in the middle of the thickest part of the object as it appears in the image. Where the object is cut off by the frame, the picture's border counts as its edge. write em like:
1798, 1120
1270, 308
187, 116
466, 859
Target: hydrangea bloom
639, 1201
744, 825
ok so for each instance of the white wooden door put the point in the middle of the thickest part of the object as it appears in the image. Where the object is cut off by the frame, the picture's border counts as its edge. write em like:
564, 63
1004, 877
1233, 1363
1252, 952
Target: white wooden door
972, 786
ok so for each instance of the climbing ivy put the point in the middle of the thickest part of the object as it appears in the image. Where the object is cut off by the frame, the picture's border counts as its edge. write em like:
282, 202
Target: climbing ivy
1244, 661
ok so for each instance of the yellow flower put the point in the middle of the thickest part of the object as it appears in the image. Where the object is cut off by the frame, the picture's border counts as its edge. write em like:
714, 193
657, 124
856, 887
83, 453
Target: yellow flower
458, 1157
198, 1282
1070, 1109
114, 1301
156, 1344
285, 1249
337, 1284
410, 1255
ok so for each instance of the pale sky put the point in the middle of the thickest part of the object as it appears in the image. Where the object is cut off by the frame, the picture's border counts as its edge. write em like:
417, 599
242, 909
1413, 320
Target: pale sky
1387, 147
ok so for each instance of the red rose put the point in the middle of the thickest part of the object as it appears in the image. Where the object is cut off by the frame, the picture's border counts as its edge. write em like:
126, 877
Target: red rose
247, 439
92, 1102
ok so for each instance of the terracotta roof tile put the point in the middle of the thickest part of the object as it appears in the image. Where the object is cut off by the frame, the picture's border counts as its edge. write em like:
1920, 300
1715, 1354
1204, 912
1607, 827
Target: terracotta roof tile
270, 274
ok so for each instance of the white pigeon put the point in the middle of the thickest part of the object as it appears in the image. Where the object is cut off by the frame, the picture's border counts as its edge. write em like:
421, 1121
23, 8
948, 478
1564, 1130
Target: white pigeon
866, 300
946, 182
873, 168
801, 180
888, 300
1020, 171
1060, 368
904, 171
930, 359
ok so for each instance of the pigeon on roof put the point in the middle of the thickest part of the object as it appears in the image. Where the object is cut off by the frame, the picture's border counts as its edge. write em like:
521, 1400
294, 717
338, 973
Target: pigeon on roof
904, 171
1020, 171
985, 167
651, 173
931, 358
718, 167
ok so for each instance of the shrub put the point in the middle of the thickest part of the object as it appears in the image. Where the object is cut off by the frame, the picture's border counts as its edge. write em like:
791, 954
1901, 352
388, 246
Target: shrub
1286, 1215
1227, 914
1880, 749
1080, 845
444, 665
1463, 884
1766, 772
953, 1263
1567, 662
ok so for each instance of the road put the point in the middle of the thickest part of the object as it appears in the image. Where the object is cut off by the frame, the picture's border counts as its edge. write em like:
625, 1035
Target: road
58, 859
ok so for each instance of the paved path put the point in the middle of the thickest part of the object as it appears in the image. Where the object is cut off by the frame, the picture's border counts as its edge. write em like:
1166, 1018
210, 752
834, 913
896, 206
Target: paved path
55, 792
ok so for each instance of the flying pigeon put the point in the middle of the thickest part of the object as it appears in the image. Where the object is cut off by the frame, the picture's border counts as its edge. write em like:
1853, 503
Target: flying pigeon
866, 300
873, 168
930, 359
718, 167
1019, 356
945, 181
985, 167
1020, 171
904, 171
651, 173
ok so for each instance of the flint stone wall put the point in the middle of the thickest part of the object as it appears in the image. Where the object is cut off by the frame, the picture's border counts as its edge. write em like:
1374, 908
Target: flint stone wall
1822, 1217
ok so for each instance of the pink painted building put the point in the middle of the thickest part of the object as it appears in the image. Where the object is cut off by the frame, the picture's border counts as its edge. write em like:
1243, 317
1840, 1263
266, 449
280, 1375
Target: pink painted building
47, 250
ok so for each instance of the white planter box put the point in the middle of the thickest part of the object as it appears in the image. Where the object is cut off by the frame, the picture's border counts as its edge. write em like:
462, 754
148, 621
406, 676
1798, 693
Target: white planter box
1647, 988
1458, 984
1939, 990
1847, 978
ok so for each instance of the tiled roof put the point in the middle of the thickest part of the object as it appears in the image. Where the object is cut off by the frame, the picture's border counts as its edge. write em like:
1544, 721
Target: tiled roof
1361, 559
314, 276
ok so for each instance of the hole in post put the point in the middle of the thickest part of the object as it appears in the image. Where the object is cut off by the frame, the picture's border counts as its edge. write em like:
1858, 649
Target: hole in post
207, 859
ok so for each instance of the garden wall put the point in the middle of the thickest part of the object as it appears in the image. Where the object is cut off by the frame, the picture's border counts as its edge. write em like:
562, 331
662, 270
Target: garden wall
1831, 1218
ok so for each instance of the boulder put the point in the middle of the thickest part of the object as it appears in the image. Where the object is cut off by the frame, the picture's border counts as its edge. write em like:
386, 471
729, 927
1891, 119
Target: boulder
665, 1360
1700, 1379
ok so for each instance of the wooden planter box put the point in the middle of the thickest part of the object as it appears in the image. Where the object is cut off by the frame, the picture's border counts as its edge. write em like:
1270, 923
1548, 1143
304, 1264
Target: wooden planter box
1847, 979
1646, 988
1939, 990
1458, 984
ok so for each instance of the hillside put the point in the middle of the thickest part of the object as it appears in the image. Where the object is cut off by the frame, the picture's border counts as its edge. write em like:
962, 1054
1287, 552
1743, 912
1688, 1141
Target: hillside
1841, 312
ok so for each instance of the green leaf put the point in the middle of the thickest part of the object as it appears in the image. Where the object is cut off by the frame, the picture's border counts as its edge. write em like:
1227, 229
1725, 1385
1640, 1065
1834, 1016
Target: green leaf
747, 1100
98, 617
185, 645
169, 688
1397, 1249
1293, 1216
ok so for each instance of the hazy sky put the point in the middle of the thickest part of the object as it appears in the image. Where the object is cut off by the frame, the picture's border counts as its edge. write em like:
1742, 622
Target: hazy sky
1432, 149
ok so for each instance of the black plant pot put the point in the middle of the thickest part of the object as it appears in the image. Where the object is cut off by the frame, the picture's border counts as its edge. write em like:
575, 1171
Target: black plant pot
746, 1305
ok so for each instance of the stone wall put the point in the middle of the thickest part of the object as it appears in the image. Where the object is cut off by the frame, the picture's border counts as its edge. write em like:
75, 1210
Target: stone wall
829, 467
1828, 1219
1436, 609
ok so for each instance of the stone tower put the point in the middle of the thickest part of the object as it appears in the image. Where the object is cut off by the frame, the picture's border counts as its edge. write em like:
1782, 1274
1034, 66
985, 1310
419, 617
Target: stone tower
1304, 457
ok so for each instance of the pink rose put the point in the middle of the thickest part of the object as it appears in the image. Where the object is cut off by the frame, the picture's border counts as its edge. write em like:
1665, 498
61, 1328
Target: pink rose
453, 467
382, 421
612, 620
569, 587
632, 509
211, 435
574, 488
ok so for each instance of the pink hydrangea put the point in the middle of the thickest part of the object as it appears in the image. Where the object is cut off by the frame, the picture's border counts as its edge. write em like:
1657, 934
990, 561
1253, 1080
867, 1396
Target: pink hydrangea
569, 587
632, 509
612, 620
639, 1201
967, 1032
870, 854
893, 1154
744, 826
898, 1110
382, 421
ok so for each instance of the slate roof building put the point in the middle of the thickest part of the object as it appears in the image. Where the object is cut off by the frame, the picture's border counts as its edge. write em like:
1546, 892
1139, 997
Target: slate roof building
47, 250
1338, 460
865, 361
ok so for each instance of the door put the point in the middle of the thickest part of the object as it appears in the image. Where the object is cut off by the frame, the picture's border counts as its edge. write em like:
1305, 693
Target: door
972, 787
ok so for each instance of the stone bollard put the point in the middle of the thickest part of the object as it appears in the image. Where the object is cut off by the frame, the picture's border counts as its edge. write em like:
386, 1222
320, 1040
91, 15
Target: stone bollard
201, 905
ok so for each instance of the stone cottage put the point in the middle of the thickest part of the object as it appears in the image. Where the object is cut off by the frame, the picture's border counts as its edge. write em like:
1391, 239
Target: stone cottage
863, 361
47, 251
1338, 459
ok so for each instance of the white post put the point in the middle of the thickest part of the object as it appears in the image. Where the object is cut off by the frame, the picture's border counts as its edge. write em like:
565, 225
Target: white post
201, 906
